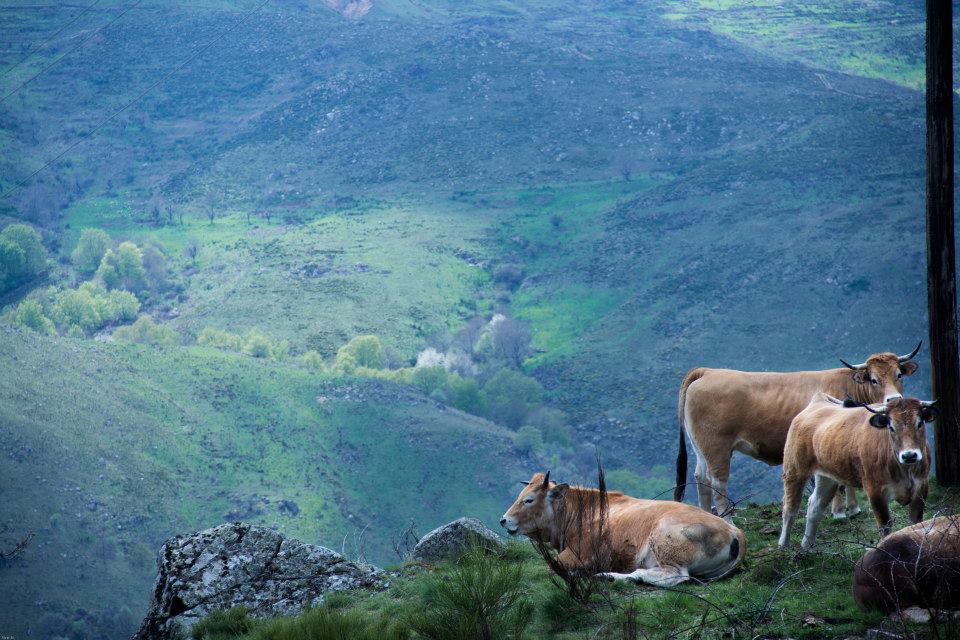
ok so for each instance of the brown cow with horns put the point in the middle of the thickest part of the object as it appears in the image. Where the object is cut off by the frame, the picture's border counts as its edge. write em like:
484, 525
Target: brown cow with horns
658, 542
722, 411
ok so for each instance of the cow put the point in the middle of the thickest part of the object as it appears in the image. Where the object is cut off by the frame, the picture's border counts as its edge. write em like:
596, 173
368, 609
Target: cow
658, 542
913, 572
882, 449
722, 411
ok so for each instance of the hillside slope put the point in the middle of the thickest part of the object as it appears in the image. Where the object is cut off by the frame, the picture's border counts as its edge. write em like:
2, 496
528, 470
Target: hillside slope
110, 449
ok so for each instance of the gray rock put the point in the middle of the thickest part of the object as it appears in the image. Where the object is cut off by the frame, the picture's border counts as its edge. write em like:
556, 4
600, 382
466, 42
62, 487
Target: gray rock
241, 564
449, 541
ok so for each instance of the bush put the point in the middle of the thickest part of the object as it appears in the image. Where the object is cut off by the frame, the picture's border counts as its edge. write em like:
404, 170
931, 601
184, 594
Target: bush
509, 396
312, 360
113, 306
155, 268
29, 241
257, 344
123, 268
77, 308
482, 597
362, 351
529, 439
552, 423
146, 331
12, 264
93, 244
429, 379
219, 339
222, 624
464, 394
30, 315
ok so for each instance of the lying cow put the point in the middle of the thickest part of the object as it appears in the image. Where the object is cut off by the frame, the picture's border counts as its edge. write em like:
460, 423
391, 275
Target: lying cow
882, 449
723, 411
913, 572
658, 542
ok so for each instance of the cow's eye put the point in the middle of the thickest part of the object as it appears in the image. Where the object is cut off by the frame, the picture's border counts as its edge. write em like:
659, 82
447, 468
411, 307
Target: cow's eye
874, 381
528, 501
899, 375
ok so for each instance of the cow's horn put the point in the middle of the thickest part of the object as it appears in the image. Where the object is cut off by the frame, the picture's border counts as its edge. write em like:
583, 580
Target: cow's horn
867, 407
928, 403
546, 480
859, 367
910, 357
524, 482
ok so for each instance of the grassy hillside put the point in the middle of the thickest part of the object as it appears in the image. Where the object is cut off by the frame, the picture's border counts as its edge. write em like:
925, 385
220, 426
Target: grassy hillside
110, 449
774, 594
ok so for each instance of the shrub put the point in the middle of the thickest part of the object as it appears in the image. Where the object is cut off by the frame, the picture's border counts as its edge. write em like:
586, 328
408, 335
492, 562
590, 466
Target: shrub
222, 624
29, 241
482, 597
510, 340
90, 249
552, 423
77, 309
146, 331
257, 344
220, 339
509, 396
509, 275
429, 379
123, 268
12, 264
30, 315
113, 306
651, 486
312, 360
155, 268
464, 394
362, 351
529, 439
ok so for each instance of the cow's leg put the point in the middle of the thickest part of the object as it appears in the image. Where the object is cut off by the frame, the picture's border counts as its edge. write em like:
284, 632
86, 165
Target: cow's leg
837, 506
656, 576
917, 502
718, 482
853, 508
816, 508
881, 510
792, 494
704, 490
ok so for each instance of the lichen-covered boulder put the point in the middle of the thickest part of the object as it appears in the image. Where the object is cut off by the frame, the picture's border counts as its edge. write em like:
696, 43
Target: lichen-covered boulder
240, 564
450, 540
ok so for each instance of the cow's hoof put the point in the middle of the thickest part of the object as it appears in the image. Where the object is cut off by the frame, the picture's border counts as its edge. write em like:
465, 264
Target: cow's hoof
855, 511
839, 515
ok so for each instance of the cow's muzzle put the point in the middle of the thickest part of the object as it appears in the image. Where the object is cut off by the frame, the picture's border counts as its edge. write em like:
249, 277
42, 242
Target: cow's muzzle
910, 456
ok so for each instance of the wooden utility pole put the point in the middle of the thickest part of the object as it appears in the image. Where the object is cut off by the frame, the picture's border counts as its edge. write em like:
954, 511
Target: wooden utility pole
941, 250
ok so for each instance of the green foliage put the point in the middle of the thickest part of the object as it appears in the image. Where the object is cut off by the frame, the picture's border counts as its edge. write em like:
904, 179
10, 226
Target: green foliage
122, 268
29, 314
653, 485
529, 439
552, 423
90, 249
361, 351
146, 331
481, 597
429, 379
312, 360
222, 625
12, 261
509, 396
77, 308
325, 623
89, 308
30, 242
257, 344
219, 339
464, 394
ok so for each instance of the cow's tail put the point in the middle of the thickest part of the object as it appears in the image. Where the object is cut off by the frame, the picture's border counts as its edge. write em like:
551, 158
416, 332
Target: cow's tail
692, 376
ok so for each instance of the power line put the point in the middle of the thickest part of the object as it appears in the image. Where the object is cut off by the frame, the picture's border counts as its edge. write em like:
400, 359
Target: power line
58, 32
79, 44
139, 97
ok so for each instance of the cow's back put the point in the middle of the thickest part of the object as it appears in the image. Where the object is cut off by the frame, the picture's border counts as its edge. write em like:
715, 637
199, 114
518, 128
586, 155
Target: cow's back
918, 566
744, 409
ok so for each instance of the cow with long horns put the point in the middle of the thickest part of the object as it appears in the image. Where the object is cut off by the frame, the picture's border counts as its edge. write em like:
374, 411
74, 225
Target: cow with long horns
881, 448
658, 542
722, 411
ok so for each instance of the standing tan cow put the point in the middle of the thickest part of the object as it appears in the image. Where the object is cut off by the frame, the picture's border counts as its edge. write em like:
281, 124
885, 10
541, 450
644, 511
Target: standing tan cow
882, 449
913, 572
658, 542
722, 411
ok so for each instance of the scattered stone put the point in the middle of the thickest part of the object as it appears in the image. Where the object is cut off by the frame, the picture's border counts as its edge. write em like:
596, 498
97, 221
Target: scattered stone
240, 564
450, 540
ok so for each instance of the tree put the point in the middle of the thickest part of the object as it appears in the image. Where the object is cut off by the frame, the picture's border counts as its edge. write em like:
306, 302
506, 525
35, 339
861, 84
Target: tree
192, 250
12, 261
362, 351
89, 252
509, 396
29, 241
941, 250
30, 315
123, 268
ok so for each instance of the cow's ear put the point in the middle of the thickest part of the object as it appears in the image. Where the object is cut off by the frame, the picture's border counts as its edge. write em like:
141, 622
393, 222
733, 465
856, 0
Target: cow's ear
558, 491
929, 414
909, 368
859, 376
880, 420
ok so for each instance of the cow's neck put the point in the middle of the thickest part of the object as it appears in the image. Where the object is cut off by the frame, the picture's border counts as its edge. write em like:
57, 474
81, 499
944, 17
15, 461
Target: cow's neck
841, 385
579, 516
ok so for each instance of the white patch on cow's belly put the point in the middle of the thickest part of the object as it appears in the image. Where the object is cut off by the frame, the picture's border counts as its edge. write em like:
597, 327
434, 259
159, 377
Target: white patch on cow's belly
746, 448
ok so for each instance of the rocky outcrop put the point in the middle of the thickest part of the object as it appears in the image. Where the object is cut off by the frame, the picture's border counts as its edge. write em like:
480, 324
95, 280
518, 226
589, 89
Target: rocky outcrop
449, 541
240, 564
